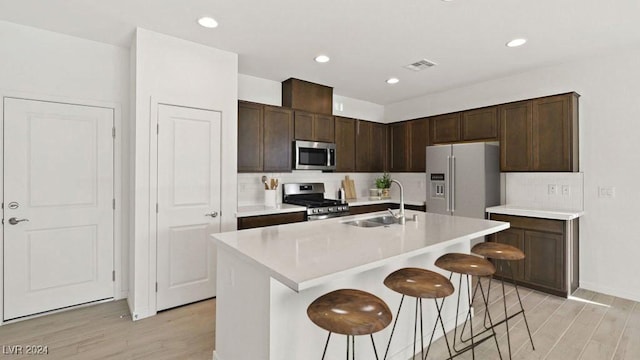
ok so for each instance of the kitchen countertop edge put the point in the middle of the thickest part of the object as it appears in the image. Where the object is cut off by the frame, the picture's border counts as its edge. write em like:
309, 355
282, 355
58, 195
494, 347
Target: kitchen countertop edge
536, 213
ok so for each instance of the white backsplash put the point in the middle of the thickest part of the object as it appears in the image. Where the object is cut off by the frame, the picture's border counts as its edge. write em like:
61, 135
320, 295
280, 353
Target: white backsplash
532, 190
251, 190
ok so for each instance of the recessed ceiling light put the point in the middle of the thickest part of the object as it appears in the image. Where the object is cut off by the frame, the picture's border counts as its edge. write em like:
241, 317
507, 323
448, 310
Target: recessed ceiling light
208, 22
322, 58
393, 80
516, 42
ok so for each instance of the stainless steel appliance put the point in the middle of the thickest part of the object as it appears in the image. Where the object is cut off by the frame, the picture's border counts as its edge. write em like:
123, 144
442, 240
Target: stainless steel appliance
311, 195
310, 155
463, 179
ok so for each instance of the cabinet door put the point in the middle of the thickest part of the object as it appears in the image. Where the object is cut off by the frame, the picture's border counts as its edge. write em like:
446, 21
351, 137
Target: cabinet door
249, 137
480, 124
445, 128
379, 147
363, 146
345, 144
551, 134
515, 136
303, 126
323, 128
513, 237
419, 135
398, 160
544, 264
278, 137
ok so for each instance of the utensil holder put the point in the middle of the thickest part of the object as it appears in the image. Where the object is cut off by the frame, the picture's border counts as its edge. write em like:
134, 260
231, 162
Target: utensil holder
270, 198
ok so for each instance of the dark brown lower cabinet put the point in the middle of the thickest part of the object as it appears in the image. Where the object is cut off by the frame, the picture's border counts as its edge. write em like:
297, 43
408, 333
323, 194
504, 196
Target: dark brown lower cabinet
363, 209
250, 222
551, 253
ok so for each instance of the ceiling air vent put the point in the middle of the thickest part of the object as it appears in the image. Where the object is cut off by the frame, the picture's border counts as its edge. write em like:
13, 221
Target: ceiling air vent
420, 65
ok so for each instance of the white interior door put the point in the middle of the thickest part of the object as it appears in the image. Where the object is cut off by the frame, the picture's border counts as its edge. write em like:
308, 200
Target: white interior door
58, 210
188, 204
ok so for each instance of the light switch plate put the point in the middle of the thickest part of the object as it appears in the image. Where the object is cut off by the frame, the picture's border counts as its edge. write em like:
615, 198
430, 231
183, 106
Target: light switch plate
566, 190
552, 189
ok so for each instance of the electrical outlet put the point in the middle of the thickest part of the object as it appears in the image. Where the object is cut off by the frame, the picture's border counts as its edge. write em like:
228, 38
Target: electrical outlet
552, 189
566, 190
606, 191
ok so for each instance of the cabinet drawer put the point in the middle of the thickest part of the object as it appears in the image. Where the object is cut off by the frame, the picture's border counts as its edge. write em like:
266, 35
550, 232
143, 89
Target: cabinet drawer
268, 220
521, 222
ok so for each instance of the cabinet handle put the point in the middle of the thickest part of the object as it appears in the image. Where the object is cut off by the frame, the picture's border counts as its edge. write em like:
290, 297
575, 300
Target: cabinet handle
213, 214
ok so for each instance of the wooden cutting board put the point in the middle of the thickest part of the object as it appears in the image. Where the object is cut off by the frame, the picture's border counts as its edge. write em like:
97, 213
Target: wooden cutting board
349, 188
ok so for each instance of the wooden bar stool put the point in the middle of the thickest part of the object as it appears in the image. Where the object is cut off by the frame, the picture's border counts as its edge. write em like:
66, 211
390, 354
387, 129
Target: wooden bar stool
350, 312
469, 265
504, 254
420, 284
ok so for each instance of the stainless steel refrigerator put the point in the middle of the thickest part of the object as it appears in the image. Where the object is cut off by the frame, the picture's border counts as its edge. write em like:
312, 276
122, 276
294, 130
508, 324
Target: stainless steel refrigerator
463, 179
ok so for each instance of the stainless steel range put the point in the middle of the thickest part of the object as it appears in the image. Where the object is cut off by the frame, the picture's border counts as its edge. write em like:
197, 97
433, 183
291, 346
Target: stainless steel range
311, 195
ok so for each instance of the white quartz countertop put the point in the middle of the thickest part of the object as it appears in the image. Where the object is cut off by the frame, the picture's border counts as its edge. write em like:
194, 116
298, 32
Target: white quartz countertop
306, 254
257, 210
536, 213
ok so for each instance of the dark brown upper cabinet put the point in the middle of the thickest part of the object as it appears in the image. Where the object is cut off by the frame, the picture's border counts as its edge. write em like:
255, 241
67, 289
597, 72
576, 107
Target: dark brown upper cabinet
303, 95
265, 135
345, 130
479, 124
418, 141
314, 127
445, 128
540, 134
250, 127
472, 125
398, 147
408, 145
371, 146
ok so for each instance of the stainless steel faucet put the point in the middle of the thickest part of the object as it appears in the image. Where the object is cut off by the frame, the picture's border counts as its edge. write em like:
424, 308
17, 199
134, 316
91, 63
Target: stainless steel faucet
400, 215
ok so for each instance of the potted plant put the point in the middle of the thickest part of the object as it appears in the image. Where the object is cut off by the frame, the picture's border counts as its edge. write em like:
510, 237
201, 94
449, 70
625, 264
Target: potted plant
383, 184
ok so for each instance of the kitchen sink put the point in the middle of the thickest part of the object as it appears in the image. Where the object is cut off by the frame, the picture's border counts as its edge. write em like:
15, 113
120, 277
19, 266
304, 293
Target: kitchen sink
372, 222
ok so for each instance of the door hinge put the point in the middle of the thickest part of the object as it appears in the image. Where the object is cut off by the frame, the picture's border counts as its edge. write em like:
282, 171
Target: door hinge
113, 275
158, 129
157, 208
113, 132
156, 287
114, 204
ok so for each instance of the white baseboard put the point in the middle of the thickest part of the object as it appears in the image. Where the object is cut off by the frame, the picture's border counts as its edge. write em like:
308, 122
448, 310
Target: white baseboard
621, 293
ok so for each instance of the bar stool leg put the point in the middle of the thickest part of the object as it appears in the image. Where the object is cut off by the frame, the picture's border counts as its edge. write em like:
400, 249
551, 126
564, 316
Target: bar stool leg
493, 331
506, 315
435, 326
326, 345
393, 329
515, 284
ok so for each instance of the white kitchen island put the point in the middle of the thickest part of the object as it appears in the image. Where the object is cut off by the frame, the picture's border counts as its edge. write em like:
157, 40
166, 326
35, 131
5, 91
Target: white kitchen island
268, 276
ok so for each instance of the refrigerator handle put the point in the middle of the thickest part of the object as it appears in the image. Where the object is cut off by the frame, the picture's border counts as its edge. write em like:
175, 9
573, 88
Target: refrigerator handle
447, 190
453, 184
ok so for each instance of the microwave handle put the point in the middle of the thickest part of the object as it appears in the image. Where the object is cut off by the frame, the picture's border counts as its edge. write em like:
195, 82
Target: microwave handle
331, 157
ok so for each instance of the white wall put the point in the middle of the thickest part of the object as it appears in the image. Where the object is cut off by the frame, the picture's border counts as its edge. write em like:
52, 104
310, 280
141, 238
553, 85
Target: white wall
174, 71
609, 156
251, 88
40, 64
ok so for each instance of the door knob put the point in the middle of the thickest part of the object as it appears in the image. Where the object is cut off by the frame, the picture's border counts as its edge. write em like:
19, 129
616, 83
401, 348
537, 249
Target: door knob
14, 221
213, 214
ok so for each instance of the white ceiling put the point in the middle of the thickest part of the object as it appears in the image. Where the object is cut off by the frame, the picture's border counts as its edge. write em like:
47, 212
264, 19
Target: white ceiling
368, 41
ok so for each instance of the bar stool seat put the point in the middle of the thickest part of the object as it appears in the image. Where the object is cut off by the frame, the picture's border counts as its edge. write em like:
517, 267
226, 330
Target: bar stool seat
465, 264
499, 251
505, 254
420, 284
469, 265
350, 312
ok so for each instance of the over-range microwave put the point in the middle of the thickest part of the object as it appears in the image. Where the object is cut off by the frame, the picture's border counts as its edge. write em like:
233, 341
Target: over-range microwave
311, 155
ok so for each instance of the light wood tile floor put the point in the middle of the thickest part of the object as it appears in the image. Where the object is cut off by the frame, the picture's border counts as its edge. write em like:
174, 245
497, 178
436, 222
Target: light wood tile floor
105, 331
588, 326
